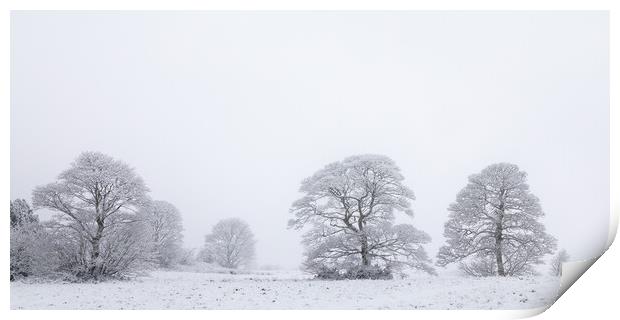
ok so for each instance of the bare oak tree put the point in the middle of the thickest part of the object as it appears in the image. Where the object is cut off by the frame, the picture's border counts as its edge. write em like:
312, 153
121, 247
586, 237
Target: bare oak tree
95, 200
349, 206
493, 226
231, 243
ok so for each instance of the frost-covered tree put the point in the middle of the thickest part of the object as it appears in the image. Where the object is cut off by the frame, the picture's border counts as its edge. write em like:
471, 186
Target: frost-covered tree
186, 257
493, 226
21, 213
205, 255
95, 201
557, 261
165, 226
31, 252
231, 243
349, 206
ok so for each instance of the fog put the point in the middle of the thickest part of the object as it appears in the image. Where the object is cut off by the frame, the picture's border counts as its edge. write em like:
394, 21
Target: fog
223, 114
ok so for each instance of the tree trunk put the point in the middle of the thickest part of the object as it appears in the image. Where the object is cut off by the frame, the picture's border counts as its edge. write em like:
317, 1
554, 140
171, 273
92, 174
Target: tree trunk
363, 239
95, 268
498, 251
364, 252
498, 236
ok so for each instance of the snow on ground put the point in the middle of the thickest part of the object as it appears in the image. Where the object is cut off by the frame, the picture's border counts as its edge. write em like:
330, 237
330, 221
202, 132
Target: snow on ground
287, 290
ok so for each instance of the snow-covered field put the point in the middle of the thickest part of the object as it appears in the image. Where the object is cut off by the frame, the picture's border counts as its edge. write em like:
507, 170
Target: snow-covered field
286, 290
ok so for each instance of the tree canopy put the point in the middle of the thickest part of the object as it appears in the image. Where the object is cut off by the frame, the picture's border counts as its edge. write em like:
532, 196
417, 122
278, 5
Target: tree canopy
493, 226
350, 207
96, 199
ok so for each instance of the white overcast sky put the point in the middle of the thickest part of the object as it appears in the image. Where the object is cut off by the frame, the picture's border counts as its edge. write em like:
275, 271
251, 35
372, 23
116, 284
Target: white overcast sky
223, 114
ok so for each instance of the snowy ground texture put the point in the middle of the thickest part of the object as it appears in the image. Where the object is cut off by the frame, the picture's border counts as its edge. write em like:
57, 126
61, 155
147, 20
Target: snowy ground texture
287, 290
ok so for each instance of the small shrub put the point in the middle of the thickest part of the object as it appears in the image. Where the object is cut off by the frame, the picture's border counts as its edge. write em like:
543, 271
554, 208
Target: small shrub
31, 252
325, 273
371, 272
354, 273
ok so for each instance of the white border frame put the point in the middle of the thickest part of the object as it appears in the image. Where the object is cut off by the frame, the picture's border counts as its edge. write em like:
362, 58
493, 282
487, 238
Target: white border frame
594, 294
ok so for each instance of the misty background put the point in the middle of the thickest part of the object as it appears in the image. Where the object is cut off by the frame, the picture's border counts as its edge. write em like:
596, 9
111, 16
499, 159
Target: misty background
224, 113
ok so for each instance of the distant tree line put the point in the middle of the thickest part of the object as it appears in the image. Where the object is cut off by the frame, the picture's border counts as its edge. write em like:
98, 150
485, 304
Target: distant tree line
106, 225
